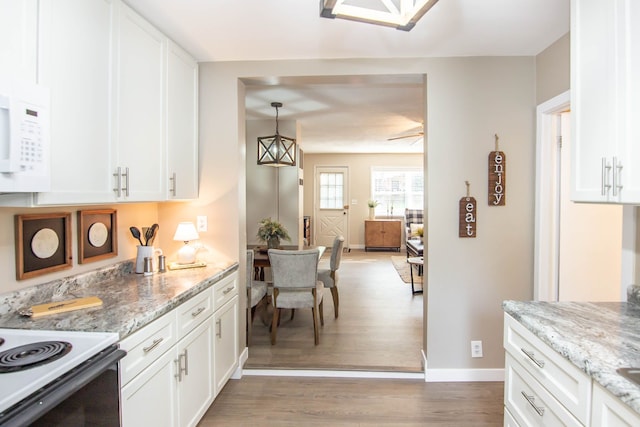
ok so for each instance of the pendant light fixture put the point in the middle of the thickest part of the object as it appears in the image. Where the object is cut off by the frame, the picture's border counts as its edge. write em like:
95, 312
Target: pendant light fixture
276, 150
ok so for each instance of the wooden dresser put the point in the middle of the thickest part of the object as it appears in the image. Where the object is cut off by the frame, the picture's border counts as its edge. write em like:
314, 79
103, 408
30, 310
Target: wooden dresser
382, 234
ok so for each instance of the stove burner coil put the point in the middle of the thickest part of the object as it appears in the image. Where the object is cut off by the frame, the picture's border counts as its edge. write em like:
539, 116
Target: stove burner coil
31, 355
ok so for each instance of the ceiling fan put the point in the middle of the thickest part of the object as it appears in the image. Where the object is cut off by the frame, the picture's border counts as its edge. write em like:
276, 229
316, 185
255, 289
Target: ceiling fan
414, 134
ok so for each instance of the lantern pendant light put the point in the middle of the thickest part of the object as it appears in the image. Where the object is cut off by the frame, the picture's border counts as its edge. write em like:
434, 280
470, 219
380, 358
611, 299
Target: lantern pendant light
276, 150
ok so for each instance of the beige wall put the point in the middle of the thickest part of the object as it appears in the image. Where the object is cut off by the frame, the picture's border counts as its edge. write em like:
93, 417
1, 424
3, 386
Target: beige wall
552, 70
469, 99
359, 166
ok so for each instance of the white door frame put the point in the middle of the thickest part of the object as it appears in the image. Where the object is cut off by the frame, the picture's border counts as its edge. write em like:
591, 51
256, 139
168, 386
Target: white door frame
545, 266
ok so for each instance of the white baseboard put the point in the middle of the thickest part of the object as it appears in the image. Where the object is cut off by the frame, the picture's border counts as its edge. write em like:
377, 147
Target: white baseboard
463, 375
242, 359
332, 374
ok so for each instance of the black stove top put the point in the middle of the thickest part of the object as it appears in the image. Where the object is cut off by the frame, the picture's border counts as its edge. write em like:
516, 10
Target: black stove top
31, 355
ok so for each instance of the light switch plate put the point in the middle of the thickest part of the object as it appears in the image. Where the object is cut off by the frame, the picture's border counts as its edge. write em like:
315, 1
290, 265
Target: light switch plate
201, 223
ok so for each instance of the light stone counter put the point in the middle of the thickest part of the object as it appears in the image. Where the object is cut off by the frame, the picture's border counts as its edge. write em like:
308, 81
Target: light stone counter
130, 301
598, 338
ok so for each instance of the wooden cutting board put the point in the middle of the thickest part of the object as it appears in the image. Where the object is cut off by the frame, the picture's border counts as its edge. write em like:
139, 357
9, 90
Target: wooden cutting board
64, 306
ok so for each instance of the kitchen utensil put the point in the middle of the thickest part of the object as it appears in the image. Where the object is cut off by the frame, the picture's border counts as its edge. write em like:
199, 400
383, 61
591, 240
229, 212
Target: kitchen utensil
136, 234
162, 264
148, 235
154, 231
148, 266
60, 307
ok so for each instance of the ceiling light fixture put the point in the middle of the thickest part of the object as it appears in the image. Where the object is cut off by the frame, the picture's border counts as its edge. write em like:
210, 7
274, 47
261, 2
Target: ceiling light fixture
399, 14
276, 150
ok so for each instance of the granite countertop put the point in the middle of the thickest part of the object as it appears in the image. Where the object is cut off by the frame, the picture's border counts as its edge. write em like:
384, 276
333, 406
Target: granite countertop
597, 337
130, 301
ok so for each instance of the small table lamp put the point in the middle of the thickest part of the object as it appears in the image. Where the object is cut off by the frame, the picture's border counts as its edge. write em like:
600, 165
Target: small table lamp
186, 232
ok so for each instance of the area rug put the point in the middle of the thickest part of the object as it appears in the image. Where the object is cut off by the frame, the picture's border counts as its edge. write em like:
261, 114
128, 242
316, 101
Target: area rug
402, 267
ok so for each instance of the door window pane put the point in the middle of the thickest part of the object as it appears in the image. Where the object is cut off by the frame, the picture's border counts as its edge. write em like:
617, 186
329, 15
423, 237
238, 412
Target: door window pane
331, 190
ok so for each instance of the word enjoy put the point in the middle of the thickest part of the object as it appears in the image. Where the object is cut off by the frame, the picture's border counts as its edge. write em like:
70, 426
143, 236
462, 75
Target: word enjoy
497, 178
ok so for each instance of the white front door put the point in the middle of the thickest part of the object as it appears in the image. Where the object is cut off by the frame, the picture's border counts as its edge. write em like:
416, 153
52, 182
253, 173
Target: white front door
331, 206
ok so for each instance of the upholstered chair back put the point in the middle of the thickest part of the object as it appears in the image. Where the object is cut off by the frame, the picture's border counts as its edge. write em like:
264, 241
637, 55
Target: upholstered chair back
294, 269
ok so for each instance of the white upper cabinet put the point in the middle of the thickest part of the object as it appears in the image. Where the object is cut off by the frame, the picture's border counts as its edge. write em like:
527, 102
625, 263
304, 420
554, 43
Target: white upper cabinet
74, 62
138, 133
605, 86
18, 39
182, 124
123, 101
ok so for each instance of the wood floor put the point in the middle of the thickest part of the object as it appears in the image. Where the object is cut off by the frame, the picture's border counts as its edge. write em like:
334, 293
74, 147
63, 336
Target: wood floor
287, 401
379, 327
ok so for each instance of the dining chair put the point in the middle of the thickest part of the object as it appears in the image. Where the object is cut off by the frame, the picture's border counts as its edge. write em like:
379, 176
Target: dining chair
256, 293
296, 285
329, 276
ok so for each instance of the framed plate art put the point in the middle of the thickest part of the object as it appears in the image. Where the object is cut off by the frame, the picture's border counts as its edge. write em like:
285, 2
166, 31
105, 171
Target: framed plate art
43, 244
97, 235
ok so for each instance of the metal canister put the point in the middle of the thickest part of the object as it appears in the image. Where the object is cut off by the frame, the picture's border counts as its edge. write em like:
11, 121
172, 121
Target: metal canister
148, 266
162, 264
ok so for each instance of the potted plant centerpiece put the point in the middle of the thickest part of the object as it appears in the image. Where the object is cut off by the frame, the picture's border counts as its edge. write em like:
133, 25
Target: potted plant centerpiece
372, 208
271, 232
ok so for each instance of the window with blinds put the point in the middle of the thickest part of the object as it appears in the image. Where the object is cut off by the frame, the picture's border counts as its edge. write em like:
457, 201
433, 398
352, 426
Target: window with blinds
396, 189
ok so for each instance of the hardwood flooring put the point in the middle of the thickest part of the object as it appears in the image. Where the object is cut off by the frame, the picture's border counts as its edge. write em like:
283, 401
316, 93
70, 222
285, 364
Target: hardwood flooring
287, 401
379, 328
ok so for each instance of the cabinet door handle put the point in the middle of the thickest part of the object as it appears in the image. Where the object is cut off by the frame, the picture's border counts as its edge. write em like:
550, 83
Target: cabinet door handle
532, 402
178, 375
605, 177
172, 189
219, 328
197, 312
153, 345
126, 182
226, 291
118, 177
186, 362
531, 355
617, 170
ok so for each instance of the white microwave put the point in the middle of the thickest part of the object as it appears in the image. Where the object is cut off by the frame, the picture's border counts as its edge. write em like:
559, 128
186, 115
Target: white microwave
24, 138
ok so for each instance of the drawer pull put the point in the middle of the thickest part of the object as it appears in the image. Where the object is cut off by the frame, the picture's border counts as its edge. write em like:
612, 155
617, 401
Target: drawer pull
197, 312
531, 355
153, 345
531, 400
226, 291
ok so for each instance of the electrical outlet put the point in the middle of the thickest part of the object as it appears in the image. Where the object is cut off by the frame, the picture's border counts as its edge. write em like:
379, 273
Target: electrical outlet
201, 223
476, 348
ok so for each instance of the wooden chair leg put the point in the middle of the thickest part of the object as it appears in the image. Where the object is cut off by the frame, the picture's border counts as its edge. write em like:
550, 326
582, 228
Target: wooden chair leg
336, 299
321, 306
274, 324
316, 332
249, 324
293, 312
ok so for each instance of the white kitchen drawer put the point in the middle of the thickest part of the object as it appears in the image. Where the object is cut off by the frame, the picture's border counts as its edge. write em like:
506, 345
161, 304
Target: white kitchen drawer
562, 379
529, 402
146, 345
609, 411
193, 312
224, 290
509, 421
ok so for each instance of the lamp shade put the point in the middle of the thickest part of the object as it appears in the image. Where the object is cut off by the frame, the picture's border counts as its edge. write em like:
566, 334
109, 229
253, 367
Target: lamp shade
186, 232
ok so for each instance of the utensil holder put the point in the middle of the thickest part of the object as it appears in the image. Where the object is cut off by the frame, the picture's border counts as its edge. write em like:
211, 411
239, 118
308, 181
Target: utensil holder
145, 252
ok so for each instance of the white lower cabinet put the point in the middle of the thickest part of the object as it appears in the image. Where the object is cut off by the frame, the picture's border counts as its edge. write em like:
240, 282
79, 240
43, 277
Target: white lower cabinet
226, 342
542, 388
149, 399
608, 411
177, 364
